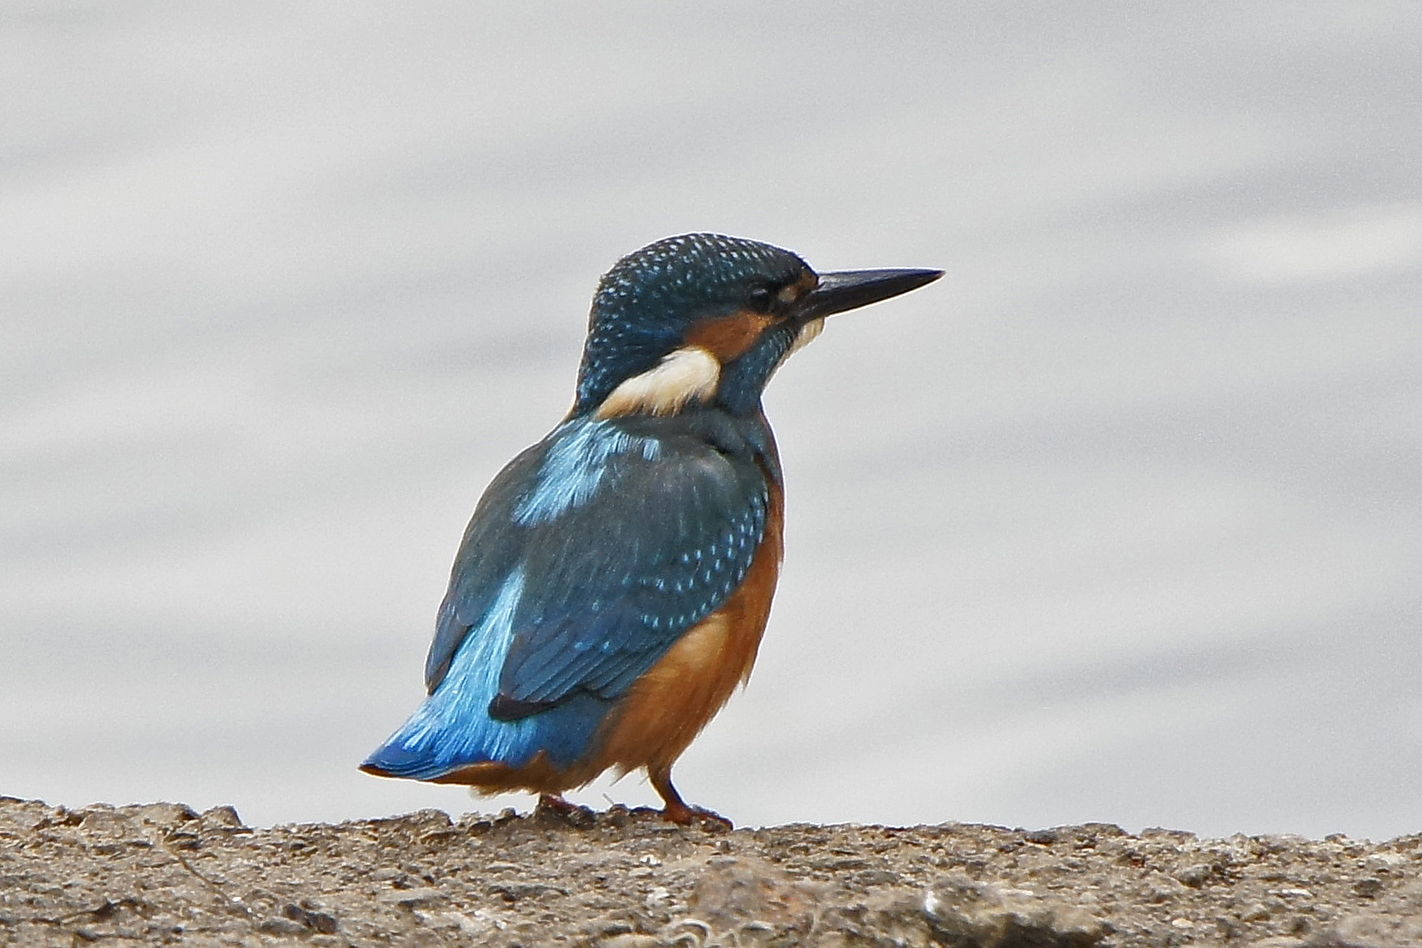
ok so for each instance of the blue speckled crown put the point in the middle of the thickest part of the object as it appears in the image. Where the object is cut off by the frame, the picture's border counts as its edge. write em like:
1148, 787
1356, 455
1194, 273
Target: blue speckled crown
645, 303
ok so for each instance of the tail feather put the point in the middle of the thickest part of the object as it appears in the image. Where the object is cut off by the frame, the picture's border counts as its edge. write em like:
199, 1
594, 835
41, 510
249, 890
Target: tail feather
453, 729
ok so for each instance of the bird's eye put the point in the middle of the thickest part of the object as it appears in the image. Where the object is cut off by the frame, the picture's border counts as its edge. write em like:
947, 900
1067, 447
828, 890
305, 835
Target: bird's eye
761, 297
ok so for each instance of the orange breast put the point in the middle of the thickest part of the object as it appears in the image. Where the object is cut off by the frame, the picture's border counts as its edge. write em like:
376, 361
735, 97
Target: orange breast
668, 706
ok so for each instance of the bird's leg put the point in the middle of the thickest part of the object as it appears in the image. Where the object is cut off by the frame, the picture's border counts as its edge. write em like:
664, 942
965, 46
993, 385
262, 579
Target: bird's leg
556, 803
676, 810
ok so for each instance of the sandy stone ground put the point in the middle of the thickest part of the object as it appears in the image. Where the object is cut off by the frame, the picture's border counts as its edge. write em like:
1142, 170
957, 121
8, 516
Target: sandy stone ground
164, 874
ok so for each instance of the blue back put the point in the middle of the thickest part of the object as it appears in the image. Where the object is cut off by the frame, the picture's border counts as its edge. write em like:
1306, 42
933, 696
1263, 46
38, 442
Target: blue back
588, 556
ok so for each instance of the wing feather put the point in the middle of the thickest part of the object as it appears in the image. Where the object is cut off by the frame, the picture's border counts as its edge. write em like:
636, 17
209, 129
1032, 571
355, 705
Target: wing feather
635, 544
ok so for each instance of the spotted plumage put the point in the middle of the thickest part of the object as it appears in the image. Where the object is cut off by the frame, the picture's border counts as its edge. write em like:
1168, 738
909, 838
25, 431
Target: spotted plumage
611, 589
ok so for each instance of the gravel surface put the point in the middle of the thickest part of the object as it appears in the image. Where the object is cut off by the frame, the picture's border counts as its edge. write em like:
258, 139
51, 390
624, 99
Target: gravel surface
164, 874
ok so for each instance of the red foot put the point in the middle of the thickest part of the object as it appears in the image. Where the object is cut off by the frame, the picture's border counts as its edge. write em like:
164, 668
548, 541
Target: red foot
676, 810
551, 804
555, 802
686, 815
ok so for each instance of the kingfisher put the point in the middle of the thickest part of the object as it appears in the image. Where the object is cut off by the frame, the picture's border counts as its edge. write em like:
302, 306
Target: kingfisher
612, 587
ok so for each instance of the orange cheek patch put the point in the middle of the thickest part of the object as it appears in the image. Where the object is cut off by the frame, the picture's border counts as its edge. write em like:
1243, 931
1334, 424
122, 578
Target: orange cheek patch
800, 287
728, 337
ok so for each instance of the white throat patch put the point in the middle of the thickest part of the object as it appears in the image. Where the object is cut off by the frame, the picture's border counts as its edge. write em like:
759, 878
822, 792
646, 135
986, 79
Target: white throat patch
808, 334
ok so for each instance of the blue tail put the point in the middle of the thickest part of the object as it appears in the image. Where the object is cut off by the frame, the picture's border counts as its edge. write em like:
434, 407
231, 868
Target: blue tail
453, 729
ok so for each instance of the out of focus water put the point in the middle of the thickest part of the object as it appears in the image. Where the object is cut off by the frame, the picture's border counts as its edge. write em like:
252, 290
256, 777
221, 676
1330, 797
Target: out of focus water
1120, 521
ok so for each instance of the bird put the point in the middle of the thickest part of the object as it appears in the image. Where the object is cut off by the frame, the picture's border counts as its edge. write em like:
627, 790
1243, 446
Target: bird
614, 582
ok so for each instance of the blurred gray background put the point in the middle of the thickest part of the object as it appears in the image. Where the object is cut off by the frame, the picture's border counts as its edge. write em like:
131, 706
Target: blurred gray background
1120, 521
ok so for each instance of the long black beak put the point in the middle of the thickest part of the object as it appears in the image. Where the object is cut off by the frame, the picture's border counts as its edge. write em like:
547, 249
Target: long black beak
851, 289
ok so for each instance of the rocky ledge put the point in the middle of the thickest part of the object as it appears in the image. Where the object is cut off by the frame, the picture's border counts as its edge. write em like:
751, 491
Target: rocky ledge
165, 874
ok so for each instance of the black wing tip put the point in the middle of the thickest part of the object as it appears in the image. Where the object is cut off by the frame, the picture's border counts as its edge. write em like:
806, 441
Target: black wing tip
504, 708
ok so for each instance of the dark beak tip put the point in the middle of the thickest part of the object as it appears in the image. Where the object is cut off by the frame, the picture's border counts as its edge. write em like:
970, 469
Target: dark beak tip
921, 277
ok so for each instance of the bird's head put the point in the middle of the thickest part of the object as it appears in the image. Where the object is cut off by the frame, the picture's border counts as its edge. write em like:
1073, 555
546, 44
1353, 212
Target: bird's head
706, 318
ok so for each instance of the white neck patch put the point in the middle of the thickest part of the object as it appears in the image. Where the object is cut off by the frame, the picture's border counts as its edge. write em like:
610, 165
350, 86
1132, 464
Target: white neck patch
688, 373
